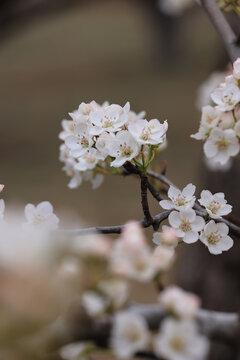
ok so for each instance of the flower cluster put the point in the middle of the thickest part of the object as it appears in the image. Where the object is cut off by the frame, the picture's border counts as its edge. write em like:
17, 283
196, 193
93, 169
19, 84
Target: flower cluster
101, 138
190, 227
220, 124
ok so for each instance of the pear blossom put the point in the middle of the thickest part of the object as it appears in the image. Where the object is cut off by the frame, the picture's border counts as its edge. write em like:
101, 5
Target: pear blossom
226, 121
163, 257
115, 290
41, 216
129, 335
202, 134
81, 115
93, 303
110, 118
226, 97
236, 69
89, 160
103, 143
68, 129
96, 179
179, 199
180, 340
167, 237
210, 116
81, 141
216, 205
2, 208
187, 224
179, 302
215, 237
221, 145
148, 132
124, 148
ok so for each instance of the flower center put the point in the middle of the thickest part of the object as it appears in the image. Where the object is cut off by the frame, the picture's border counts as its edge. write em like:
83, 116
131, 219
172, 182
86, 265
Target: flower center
180, 200
126, 150
107, 123
214, 206
178, 343
213, 238
146, 132
228, 99
222, 144
185, 226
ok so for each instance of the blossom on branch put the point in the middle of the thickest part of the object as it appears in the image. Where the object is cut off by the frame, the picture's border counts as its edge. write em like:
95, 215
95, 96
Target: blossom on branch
180, 200
216, 205
215, 237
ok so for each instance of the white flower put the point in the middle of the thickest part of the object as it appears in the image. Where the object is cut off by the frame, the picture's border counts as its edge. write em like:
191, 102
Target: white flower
216, 205
163, 258
167, 237
75, 351
76, 178
115, 290
215, 237
81, 141
123, 147
226, 97
237, 128
221, 145
93, 303
103, 143
96, 179
148, 132
89, 160
2, 208
210, 116
202, 134
41, 216
226, 121
179, 199
110, 118
236, 69
129, 334
180, 340
68, 129
82, 114
208, 86
187, 224
179, 302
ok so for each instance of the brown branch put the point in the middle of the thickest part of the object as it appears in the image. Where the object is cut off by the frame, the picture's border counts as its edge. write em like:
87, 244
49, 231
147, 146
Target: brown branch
144, 199
218, 326
223, 28
117, 229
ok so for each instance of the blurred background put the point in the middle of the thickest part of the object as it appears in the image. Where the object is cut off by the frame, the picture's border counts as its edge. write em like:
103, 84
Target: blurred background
55, 55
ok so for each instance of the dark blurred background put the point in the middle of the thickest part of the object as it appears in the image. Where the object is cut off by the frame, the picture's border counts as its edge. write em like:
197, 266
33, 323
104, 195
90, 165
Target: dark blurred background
111, 50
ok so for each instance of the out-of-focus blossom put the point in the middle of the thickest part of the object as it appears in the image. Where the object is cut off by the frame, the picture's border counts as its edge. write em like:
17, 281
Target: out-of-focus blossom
41, 216
174, 7
129, 335
179, 302
93, 303
180, 340
168, 237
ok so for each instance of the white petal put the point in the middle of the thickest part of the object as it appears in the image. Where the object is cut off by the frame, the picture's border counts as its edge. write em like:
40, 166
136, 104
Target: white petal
190, 237
189, 190
166, 204
225, 243
210, 149
198, 224
174, 219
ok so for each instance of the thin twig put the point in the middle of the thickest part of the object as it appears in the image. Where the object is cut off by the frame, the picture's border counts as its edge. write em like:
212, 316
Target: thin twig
144, 199
223, 28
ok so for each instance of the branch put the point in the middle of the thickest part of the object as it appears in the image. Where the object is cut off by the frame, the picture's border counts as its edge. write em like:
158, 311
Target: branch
117, 229
223, 28
217, 326
144, 199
